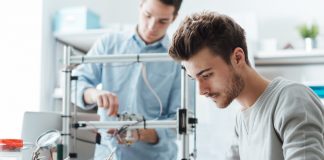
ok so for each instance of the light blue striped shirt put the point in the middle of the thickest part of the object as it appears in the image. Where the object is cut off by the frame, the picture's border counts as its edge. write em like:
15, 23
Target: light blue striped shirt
125, 79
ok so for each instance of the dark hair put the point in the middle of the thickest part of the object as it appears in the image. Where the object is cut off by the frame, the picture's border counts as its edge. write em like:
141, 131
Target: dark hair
220, 33
175, 3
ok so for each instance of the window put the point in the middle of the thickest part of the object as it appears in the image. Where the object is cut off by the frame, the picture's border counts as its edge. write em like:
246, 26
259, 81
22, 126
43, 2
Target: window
20, 63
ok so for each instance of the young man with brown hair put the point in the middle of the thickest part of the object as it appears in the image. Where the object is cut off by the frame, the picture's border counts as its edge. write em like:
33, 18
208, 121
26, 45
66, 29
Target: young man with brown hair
150, 89
280, 119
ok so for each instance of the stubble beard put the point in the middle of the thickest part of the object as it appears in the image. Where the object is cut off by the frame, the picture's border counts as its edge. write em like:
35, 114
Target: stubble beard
234, 89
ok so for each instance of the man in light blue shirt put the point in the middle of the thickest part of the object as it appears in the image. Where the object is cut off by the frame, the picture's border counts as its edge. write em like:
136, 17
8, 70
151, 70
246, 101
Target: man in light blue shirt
150, 89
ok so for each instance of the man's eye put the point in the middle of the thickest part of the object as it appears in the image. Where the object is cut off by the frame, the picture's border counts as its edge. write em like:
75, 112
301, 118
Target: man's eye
147, 16
206, 75
163, 22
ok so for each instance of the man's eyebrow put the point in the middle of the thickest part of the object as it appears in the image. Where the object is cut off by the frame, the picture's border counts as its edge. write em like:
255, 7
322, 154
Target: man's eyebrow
165, 19
198, 74
201, 72
147, 13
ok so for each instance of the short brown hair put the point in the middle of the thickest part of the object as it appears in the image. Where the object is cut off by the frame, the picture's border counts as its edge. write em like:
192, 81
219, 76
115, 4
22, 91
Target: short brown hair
175, 3
220, 33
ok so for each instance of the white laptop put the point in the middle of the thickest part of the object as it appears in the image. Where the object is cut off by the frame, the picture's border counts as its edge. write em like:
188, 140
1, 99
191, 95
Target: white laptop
36, 123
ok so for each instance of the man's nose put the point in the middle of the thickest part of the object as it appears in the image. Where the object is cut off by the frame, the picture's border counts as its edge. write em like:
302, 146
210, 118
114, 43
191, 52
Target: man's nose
152, 24
203, 89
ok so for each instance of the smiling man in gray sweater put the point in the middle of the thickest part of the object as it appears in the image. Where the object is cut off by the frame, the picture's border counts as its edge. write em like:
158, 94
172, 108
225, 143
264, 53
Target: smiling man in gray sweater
279, 120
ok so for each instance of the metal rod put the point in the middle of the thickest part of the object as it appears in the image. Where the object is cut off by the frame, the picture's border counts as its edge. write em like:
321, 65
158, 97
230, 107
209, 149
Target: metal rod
147, 57
66, 101
195, 129
132, 124
184, 105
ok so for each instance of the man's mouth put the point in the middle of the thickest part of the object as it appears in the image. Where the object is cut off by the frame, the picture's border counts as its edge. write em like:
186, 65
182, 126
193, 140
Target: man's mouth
150, 33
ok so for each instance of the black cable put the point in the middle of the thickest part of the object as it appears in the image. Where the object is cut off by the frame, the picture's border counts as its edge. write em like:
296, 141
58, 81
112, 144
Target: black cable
124, 128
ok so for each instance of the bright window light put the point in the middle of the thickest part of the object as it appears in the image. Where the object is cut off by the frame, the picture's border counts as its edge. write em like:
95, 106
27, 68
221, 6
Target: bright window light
20, 63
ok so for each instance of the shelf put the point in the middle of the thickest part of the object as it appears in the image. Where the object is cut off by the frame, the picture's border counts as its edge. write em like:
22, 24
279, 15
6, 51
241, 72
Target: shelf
290, 57
82, 40
289, 53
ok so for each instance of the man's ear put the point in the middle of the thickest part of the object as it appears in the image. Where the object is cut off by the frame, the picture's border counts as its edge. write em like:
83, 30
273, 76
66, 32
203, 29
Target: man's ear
238, 57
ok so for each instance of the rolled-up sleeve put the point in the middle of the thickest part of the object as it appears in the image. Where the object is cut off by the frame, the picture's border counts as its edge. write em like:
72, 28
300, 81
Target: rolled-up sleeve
89, 76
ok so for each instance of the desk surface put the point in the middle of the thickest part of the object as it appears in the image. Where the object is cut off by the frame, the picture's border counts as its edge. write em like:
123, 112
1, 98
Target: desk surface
10, 155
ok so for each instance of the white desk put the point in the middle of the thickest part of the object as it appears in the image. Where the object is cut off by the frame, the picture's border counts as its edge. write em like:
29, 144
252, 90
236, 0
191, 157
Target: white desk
10, 155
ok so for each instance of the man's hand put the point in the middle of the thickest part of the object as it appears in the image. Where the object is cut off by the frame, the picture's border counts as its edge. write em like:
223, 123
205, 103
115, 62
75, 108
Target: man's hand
104, 99
148, 136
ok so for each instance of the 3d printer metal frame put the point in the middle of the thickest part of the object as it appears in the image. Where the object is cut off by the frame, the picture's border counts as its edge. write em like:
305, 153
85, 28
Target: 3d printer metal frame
184, 124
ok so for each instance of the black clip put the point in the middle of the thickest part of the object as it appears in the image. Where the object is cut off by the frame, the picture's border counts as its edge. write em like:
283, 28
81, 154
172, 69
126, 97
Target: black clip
144, 122
82, 59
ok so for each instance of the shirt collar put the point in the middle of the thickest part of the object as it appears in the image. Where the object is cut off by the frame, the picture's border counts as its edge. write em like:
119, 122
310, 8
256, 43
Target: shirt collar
164, 41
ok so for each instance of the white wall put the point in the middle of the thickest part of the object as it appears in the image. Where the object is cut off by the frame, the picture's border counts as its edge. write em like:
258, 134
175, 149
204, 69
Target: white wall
20, 63
307, 74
